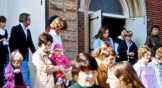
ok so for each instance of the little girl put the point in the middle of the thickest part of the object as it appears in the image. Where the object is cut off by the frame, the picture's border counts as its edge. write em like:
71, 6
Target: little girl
144, 70
61, 60
108, 56
13, 73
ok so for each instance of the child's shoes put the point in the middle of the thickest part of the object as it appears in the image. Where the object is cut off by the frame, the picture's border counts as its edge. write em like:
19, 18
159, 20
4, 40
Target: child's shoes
59, 81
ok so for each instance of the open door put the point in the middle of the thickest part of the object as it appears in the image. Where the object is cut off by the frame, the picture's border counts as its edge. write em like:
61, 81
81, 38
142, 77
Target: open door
138, 26
95, 19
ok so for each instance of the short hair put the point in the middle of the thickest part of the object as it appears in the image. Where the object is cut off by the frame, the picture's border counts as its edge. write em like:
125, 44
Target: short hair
59, 24
124, 71
52, 18
83, 62
23, 17
44, 38
16, 56
155, 26
142, 50
158, 54
129, 33
3, 19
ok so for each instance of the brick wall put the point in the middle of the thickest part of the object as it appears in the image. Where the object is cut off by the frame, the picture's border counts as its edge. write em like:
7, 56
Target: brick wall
154, 12
81, 32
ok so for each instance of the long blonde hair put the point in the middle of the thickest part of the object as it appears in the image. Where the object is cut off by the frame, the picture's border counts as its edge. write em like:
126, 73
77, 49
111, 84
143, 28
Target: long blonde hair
126, 74
98, 51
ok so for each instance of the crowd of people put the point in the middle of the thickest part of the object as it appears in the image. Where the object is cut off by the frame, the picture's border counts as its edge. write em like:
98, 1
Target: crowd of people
107, 66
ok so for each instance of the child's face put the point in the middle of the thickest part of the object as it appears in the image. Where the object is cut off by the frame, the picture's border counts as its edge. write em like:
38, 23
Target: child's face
147, 56
113, 81
155, 31
2, 25
106, 34
109, 60
128, 38
16, 64
58, 52
87, 78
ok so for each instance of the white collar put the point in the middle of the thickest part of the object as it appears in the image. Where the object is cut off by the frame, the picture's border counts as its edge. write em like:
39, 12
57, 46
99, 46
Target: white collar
22, 25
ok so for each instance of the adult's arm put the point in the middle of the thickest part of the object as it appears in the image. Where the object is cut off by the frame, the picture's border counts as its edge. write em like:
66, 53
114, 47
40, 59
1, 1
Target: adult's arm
30, 42
41, 65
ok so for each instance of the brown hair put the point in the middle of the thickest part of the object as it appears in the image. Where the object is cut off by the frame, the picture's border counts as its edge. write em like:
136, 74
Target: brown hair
44, 38
158, 54
3, 19
16, 56
100, 32
83, 61
142, 50
126, 74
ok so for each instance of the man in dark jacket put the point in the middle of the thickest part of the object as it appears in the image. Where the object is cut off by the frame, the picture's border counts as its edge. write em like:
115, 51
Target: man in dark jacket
153, 40
21, 39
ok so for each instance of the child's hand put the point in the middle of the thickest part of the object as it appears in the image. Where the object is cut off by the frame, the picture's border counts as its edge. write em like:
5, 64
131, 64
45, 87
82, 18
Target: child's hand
16, 71
61, 68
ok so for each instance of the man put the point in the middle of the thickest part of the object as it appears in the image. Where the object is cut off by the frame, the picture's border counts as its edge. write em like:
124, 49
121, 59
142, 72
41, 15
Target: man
21, 39
153, 39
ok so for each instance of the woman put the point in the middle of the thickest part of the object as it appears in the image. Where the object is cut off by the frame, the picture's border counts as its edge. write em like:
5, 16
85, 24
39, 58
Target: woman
4, 53
57, 27
122, 75
102, 35
43, 66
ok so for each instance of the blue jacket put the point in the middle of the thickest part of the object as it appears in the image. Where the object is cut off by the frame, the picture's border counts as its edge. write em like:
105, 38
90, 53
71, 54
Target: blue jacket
97, 42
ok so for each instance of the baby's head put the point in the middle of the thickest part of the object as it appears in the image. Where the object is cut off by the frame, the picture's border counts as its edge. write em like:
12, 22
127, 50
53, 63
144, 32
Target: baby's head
16, 58
58, 50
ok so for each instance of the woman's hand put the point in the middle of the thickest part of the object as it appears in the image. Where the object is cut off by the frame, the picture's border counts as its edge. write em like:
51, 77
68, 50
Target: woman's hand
61, 68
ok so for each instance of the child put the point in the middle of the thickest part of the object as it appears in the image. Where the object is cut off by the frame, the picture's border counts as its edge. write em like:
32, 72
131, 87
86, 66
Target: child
13, 73
108, 59
122, 75
4, 53
144, 70
61, 60
127, 49
84, 70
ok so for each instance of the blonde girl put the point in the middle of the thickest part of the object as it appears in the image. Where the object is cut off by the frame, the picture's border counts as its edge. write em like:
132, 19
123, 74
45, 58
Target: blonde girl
13, 73
144, 70
108, 59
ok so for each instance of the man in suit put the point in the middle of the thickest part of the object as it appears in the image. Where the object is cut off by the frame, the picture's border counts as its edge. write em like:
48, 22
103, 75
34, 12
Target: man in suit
21, 39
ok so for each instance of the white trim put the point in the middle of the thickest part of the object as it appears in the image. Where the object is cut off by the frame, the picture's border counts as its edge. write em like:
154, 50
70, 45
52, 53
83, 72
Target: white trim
111, 15
125, 8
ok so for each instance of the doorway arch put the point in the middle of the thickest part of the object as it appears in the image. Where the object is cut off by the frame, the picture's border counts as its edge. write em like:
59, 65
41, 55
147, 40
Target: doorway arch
131, 10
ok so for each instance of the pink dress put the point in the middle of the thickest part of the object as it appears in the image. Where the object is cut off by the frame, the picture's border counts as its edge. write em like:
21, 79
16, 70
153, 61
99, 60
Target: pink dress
60, 61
